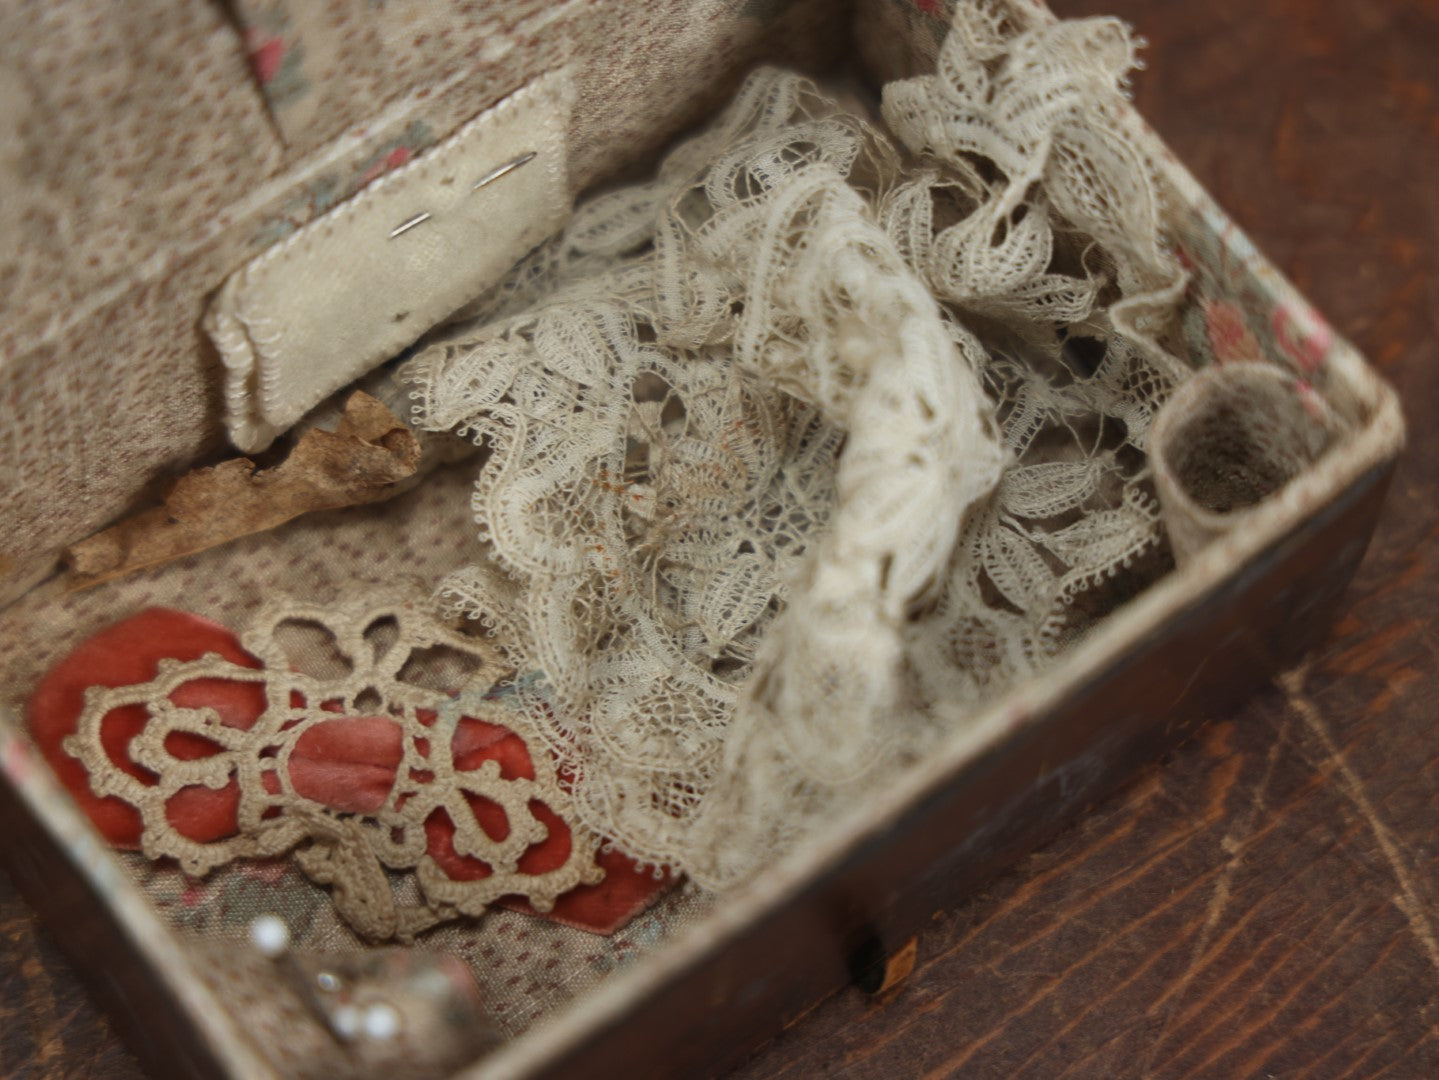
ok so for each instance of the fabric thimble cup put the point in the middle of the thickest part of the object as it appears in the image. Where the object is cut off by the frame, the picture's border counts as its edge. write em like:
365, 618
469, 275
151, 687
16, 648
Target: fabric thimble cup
1230, 438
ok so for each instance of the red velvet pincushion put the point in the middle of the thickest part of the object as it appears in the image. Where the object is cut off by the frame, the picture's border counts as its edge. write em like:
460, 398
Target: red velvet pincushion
348, 764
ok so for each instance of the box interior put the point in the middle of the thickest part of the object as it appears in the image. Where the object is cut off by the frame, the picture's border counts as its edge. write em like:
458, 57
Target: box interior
530, 970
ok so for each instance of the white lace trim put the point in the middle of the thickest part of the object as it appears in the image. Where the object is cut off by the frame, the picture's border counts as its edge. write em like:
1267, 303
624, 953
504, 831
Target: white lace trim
739, 453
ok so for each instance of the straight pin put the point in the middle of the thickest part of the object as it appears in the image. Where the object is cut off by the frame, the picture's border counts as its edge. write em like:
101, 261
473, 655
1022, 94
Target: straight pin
503, 170
405, 226
489, 178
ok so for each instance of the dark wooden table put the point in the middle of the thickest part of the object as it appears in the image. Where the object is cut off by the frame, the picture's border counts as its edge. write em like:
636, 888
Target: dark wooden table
1265, 903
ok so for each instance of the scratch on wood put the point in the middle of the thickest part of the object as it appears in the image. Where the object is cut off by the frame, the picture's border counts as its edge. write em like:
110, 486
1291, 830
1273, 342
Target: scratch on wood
1408, 901
1233, 845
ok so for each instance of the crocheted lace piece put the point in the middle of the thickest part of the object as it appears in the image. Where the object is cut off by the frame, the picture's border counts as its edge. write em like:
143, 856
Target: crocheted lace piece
742, 435
375, 660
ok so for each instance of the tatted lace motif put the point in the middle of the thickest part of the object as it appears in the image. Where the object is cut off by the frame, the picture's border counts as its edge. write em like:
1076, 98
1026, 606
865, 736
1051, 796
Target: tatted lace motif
382, 662
760, 504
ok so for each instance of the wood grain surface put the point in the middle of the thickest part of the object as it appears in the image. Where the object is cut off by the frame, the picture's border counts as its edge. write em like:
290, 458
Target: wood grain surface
1266, 902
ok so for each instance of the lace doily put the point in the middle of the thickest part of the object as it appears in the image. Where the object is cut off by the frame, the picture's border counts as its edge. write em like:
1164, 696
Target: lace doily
360, 760
743, 434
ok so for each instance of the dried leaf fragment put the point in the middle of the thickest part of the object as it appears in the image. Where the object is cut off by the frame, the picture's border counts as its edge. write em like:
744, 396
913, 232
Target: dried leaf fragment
363, 460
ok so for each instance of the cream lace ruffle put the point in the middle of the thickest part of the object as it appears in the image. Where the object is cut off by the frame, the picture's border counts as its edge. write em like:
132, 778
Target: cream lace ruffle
814, 432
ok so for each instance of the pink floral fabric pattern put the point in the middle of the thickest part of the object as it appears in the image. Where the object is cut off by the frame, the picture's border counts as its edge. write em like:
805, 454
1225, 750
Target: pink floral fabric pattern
276, 58
336, 185
1241, 310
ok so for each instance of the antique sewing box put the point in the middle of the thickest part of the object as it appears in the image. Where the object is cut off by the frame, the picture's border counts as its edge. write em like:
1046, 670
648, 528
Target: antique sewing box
166, 147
